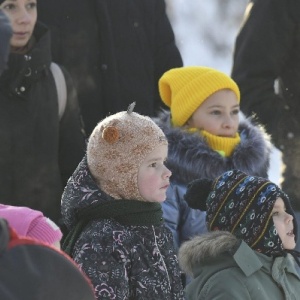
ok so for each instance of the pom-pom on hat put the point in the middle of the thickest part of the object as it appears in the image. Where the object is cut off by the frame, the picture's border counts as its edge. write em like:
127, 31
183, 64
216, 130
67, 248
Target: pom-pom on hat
185, 89
242, 205
31, 223
116, 149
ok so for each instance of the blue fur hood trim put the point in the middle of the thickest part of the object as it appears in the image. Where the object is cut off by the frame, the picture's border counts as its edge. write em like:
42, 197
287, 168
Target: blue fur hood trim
190, 157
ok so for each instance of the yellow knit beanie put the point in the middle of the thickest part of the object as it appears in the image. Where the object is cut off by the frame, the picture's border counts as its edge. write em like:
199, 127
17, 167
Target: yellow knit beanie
185, 89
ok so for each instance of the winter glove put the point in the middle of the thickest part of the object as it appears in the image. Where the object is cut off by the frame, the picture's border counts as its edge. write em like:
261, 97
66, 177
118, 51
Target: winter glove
5, 35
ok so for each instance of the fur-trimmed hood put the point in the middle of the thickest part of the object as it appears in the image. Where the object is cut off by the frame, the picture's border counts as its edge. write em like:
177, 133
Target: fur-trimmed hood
225, 266
190, 157
205, 247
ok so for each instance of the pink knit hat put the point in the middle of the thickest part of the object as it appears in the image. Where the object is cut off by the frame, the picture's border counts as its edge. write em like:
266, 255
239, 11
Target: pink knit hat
31, 223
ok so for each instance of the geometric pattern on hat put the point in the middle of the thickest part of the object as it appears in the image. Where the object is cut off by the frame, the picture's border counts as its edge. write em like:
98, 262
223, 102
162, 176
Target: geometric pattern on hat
185, 89
242, 205
116, 149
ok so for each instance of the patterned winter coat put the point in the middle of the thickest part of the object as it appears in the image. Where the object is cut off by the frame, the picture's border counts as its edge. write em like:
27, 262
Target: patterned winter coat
225, 268
190, 158
122, 261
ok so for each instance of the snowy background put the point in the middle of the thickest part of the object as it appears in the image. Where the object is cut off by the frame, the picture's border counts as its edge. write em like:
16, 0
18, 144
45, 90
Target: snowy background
205, 32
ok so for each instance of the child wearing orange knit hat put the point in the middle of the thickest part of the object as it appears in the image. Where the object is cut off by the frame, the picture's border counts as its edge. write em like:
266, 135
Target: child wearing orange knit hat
206, 138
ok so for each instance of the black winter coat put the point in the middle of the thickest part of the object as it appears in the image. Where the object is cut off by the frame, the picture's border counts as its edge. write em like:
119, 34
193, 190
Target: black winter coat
267, 70
38, 152
268, 48
115, 50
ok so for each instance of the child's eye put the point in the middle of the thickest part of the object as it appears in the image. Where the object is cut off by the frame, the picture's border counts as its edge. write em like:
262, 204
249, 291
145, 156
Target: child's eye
153, 165
215, 112
275, 213
235, 112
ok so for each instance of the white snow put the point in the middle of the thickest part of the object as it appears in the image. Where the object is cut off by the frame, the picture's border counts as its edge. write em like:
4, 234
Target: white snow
205, 32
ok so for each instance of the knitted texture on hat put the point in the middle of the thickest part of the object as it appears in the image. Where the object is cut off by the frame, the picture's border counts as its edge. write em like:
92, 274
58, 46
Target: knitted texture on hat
185, 89
243, 205
31, 223
116, 149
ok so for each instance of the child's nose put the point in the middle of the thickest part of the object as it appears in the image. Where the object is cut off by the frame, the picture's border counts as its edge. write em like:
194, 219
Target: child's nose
167, 173
289, 217
228, 122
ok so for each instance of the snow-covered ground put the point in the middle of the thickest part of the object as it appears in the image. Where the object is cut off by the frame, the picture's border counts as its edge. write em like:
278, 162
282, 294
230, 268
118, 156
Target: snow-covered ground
205, 32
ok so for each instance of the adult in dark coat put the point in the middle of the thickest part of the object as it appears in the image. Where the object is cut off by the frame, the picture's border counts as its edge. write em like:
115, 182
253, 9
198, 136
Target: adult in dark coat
267, 70
38, 151
115, 51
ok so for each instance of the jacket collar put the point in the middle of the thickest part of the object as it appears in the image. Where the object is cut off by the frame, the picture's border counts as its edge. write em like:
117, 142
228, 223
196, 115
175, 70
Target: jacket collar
217, 247
23, 69
248, 260
190, 157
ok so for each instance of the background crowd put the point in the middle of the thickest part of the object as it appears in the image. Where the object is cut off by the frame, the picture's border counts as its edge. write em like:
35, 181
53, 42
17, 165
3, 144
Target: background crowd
107, 132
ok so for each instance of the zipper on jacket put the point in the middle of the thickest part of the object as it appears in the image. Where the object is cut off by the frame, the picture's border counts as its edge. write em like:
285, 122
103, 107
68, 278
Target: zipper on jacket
163, 262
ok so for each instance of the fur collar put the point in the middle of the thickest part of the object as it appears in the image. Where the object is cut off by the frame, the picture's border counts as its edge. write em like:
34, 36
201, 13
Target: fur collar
190, 157
205, 247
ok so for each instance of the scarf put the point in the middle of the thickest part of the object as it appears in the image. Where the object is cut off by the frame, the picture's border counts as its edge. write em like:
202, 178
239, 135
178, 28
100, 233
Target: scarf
223, 145
126, 212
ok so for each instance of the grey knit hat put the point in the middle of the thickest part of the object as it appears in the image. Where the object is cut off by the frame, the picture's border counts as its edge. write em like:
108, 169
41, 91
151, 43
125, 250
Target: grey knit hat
116, 149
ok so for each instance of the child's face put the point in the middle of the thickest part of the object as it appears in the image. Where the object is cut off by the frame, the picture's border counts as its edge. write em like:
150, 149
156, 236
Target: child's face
218, 114
23, 16
153, 175
284, 224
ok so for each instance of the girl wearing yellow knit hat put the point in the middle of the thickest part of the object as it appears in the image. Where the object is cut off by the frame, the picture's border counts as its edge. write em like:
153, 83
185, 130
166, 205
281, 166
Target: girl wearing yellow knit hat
206, 138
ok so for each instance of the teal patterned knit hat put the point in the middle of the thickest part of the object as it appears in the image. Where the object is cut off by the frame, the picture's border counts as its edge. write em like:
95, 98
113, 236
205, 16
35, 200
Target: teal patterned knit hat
242, 205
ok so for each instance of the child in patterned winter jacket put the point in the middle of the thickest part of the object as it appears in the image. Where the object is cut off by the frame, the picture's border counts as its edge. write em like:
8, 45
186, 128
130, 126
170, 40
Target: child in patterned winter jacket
112, 207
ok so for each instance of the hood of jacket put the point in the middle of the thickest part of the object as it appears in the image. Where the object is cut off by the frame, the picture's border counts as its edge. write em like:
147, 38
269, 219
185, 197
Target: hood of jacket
190, 157
219, 257
206, 247
23, 69
80, 192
